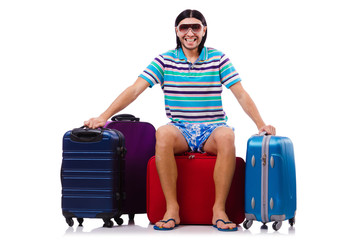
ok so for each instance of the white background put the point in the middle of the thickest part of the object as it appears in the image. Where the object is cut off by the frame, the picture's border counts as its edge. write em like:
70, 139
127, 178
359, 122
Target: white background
62, 62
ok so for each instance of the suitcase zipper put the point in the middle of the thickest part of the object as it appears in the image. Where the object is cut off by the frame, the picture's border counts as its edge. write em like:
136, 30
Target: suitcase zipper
264, 178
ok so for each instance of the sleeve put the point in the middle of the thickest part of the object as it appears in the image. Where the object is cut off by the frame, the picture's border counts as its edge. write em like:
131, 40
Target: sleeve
228, 74
154, 73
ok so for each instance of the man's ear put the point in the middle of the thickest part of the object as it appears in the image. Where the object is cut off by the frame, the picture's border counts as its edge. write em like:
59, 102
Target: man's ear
204, 31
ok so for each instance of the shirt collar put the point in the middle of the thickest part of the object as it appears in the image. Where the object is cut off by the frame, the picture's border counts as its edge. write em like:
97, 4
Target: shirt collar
202, 57
180, 54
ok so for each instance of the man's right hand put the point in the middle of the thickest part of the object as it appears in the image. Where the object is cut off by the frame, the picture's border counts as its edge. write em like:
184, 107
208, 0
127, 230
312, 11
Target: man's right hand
95, 122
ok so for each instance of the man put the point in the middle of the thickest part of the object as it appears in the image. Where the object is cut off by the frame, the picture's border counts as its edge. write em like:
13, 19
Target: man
191, 77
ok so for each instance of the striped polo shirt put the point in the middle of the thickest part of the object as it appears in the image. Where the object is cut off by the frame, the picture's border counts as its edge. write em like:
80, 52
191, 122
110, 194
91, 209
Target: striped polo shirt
192, 91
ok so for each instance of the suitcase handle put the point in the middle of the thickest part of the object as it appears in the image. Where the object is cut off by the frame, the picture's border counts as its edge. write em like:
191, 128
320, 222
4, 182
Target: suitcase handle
84, 134
192, 154
264, 133
125, 117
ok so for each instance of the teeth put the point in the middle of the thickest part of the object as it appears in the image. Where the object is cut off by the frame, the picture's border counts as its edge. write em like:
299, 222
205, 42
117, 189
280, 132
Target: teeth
191, 40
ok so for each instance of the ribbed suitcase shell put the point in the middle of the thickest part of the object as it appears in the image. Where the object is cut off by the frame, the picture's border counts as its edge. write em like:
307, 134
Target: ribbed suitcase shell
91, 175
270, 180
140, 141
195, 190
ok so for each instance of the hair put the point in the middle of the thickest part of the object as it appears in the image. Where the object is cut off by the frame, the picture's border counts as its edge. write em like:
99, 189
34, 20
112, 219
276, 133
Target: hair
188, 13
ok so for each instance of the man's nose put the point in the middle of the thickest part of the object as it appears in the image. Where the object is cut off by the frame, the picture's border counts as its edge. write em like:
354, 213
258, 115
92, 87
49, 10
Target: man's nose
190, 32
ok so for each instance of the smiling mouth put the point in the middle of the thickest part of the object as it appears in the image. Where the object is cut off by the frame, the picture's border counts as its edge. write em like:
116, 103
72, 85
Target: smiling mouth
190, 40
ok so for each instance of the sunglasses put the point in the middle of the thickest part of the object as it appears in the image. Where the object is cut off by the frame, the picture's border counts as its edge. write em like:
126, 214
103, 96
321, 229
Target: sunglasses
195, 28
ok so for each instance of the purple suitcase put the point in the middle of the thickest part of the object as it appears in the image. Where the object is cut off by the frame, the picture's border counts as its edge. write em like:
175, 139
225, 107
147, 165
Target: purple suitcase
140, 140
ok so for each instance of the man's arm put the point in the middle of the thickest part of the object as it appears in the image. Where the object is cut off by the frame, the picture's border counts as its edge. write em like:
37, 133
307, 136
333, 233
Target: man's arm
250, 108
122, 101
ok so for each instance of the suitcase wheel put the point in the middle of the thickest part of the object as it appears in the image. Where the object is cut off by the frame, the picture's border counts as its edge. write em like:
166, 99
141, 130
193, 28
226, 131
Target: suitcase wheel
80, 221
107, 223
277, 225
292, 221
70, 222
264, 227
118, 220
247, 224
131, 216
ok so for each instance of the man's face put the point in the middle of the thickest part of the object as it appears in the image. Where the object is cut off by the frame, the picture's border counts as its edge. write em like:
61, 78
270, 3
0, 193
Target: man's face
190, 32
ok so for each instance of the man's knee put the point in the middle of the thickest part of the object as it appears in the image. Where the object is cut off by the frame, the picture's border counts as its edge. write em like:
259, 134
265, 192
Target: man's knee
170, 137
224, 137
164, 134
221, 140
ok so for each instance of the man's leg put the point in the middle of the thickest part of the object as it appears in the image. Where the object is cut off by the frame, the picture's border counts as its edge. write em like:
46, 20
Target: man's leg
169, 141
221, 143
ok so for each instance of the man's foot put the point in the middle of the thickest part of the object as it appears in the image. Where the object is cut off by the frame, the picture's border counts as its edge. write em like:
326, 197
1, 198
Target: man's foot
221, 221
228, 229
166, 222
170, 220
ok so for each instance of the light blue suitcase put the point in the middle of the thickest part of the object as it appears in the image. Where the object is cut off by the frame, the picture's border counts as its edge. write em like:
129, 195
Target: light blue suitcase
270, 181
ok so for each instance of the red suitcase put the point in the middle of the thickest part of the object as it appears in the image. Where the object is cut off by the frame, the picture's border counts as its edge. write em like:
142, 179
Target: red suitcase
195, 190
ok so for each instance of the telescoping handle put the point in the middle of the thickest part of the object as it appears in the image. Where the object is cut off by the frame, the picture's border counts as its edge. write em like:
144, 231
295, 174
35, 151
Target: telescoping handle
125, 117
84, 134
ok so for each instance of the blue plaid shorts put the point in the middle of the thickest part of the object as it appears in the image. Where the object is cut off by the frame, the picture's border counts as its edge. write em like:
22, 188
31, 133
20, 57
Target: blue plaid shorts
197, 134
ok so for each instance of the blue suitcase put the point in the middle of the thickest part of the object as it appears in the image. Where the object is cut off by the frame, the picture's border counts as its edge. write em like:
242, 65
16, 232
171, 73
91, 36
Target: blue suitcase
91, 175
270, 181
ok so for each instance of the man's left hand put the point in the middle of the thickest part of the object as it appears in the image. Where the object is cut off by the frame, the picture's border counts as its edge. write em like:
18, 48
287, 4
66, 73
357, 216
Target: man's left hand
269, 129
